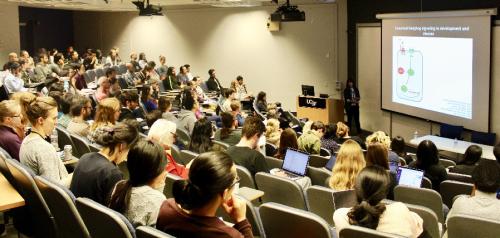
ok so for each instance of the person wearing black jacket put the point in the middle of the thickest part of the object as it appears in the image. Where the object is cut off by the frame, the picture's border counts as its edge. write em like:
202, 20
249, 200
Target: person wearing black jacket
351, 104
213, 83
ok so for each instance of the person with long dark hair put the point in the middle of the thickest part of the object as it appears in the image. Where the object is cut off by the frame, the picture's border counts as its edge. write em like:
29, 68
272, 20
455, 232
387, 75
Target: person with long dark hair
192, 212
288, 139
139, 198
428, 161
147, 99
469, 161
398, 146
261, 102
371, 188
201, 137
328, 140
228, 133
170, 82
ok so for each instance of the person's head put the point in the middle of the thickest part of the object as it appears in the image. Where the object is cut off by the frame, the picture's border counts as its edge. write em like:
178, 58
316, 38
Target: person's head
253, 128
111, 73
272, 126
10, 113
24, 99
130, 99
427, 154
146, 93
330, 131
212, 177
164, 104
261, 97
14, 68
117, 139
350, 161
229, 93
379, 137
211, 73
235, 106
42, 113
162, 59
486, 176
142, 56
288, 139
44, 59
74, 55
319, 127
496, 152
104, 83
171, 71
228, 120
146, 166
13, 57
188, 67
163, 132
239, 79
59, 58
472, 155
25, 55
70, 49
183, 70
377, 154
371, 188
112, 53
342, 130
152, 116
200, 138
350, 83
80, 106
398, 145
108, 112
133, 56
188, 101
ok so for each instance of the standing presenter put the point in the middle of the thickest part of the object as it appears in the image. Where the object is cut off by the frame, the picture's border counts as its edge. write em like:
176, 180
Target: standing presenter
351, 104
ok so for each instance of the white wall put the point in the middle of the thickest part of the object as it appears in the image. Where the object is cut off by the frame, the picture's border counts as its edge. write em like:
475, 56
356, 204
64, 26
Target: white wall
234, 42
368, 68
9, 36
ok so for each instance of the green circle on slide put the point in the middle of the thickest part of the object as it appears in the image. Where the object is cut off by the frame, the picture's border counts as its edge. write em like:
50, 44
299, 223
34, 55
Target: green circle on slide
411, 72
404, 88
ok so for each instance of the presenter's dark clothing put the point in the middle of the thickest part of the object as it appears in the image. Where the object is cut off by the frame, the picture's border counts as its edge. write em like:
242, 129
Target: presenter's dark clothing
351, 104
213, 84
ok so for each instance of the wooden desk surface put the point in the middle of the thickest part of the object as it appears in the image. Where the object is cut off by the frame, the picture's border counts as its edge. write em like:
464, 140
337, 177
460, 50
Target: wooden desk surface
10, 198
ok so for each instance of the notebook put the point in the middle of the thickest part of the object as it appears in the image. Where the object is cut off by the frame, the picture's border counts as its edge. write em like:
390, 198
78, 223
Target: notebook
295, 163
409, 177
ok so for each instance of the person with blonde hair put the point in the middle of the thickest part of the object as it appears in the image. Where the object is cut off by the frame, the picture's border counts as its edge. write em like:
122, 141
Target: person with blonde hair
11, 127
343, 135
273, 132
108, 112
24, 99
350, 161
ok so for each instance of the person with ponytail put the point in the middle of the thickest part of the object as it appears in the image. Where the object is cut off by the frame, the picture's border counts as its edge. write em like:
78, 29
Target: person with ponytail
96, 173
192, 212
228, 133
139, 198
395, 218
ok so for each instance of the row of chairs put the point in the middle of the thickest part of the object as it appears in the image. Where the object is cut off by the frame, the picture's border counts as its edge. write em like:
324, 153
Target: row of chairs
92, 74
80, 145
455, 132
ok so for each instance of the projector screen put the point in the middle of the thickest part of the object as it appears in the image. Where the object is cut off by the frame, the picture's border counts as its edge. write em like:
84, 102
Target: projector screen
436, 66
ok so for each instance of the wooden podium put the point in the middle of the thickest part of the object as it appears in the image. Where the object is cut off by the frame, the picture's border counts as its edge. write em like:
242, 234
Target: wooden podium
326, 110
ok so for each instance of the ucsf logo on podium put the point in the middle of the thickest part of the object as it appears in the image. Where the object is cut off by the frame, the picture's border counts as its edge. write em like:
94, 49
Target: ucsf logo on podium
311, 102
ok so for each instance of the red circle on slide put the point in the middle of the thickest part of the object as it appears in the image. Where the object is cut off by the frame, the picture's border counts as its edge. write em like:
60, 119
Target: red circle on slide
401, 70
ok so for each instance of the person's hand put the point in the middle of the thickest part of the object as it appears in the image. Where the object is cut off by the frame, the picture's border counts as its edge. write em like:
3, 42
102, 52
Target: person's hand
236, 208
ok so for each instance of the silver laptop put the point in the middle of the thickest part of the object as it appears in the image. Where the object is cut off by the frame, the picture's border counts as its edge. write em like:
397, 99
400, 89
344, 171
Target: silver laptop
295, 163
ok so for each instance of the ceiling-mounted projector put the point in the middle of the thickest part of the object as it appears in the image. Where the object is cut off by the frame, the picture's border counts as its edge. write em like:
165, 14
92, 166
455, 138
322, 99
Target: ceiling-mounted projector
146, 9
287, 12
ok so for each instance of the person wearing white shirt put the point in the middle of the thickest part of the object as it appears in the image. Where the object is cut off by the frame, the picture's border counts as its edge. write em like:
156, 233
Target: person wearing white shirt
12, 81
189, 75
199, 91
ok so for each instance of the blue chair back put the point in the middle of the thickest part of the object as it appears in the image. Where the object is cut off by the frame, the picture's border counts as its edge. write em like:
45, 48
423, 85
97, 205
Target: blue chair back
451, 131
483, 138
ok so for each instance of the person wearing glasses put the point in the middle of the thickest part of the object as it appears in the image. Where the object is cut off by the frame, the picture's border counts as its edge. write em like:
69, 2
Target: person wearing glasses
11, 127
192, 212
80, 109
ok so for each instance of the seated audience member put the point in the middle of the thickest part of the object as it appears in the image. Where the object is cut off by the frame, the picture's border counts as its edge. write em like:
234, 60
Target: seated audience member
343, 135
108, 112
64, 105
129, 75
170, 82
74, 58
213, 83
142, 60
483, 202
76, 77
201, 141
398, 146
43, 70
147, 99
26, 73
36, 152
151, 117
80, 110
11, 127
112, 58
192, 212
471, 156
139, 198
27, 58
261, 102
382, 138
310, 141
12, 82
228, 133
349, 162
187, 117
104, 89
377, 154
236, 111
240, 88
182, 77
273, 132
165, 105
163, 132
59, 66
143, 76
288, 139
133, 61
428, 161
246, 153
130, 106
395, 218
188, 69
229, 95
197, 88
96, 173
328, 140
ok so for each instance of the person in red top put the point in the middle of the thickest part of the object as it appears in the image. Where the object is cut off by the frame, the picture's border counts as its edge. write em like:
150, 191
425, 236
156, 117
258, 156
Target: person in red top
192, 212
163, 132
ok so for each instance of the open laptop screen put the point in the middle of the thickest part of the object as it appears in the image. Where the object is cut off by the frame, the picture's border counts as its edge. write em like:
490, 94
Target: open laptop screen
295, 162
409, 177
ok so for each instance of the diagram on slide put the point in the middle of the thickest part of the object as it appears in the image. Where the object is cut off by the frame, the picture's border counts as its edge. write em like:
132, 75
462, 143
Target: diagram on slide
409, 72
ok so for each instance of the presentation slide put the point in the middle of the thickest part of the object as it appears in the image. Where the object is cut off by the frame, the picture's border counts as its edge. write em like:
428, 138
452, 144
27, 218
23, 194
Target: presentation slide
436, 66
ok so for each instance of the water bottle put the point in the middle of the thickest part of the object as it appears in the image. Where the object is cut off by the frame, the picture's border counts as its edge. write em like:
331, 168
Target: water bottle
66, 85
415, 135
54, 140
